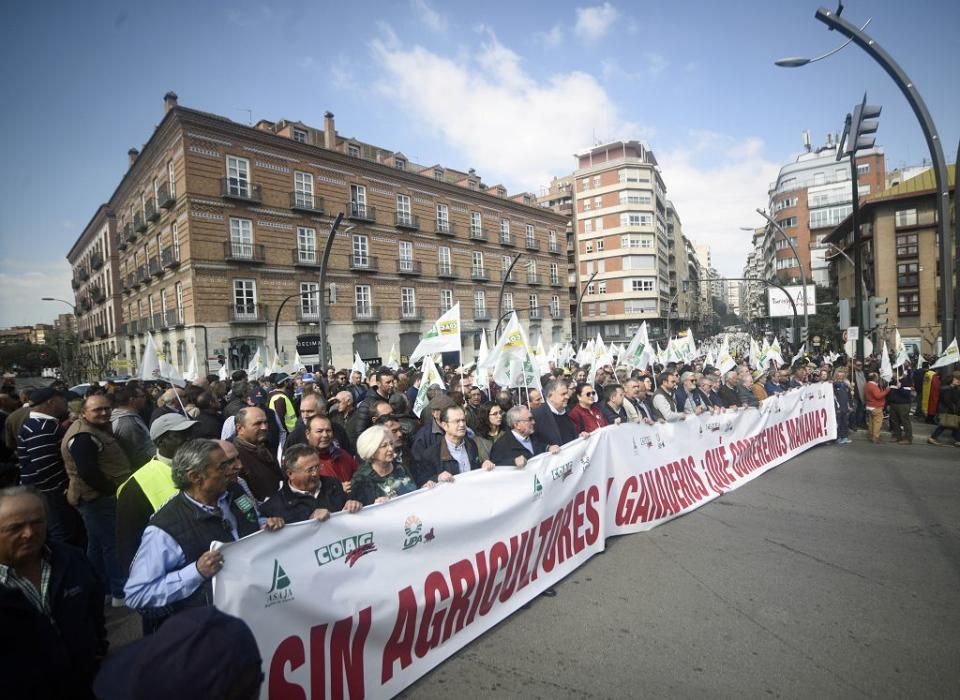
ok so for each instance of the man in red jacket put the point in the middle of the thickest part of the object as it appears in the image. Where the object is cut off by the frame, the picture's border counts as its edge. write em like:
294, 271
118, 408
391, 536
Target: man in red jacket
876, 399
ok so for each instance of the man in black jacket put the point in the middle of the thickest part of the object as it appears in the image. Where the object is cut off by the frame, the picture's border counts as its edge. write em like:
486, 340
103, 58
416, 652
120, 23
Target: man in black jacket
518, 444
365, 414
306, 495
728, 392
51, 604
453, 454
552, 424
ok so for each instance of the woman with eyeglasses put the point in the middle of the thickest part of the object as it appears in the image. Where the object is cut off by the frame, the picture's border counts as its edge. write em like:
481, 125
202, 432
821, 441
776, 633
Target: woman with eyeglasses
378, 479
489, 428
586, 415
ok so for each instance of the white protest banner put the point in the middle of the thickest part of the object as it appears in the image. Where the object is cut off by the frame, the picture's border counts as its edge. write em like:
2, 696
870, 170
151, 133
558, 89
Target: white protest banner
364, 604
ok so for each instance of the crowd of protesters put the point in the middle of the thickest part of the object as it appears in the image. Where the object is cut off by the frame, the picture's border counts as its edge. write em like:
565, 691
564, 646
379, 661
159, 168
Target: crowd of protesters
143, 477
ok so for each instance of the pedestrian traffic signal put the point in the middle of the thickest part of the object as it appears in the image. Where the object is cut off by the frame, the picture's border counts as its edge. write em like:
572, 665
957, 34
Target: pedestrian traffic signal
843, 314
803, 334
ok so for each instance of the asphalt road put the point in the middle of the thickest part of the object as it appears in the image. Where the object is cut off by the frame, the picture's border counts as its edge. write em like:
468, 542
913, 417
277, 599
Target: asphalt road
835, 575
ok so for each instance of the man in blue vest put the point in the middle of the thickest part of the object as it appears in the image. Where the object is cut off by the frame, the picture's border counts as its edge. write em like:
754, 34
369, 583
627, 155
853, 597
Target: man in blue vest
174, 564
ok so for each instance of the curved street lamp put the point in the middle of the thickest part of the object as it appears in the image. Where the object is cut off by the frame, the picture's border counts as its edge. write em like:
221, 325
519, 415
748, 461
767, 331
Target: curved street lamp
797, 62
948, 300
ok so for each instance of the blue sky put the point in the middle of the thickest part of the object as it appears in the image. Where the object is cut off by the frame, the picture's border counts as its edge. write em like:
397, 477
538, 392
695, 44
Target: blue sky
511, 89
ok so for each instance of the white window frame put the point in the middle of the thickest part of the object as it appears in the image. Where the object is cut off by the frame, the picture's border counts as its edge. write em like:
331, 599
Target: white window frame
171, 179
408, 302
245, 298
363, 301
404, 210
405, 255
238, 176
178, 292
444, 260
508, 301
443, 218
299, 135
476, 224
353, 150
360, 250
310, 299
241, 237
479, 303
306, 244
303, 189
358, 198
478, 261
446, 300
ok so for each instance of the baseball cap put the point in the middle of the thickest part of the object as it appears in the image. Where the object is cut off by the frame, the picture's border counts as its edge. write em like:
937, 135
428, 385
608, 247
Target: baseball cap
307, 378
38, 396
169, 422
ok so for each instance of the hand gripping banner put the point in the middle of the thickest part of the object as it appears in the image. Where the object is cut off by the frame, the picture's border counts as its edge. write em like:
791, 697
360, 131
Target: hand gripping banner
364, 604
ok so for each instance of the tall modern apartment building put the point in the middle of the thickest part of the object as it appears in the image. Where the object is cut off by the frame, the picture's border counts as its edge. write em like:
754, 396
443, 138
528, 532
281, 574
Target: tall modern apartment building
627, 239
215, 235
811, 196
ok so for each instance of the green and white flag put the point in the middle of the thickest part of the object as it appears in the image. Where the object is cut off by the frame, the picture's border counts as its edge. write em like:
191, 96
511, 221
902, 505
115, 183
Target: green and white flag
431, 376
444, 336
949, 356
639, 353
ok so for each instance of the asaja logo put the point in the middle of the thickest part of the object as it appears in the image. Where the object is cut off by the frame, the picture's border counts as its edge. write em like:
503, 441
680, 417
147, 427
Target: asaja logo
537, 487
280, 591
413, 532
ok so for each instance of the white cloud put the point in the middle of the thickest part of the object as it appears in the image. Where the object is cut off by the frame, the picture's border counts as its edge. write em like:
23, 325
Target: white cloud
512, 128
432, 19
551, 39
653, 65
716, 182
594, 22
23, 286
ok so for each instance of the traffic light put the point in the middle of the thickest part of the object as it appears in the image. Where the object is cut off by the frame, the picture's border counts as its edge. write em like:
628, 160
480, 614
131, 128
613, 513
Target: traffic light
803, 334
877, 312
863, 125
843, 314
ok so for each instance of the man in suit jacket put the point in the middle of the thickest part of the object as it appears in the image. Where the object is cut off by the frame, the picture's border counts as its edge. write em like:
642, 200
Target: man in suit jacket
519, 444
552, 425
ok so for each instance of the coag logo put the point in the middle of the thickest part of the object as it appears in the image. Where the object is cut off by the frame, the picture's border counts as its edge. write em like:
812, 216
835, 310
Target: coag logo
280, 590
563, 471
350, 549
413, 532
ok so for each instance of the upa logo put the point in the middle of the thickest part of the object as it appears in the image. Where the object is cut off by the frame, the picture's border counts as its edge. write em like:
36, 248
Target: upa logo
280, 591
350, 549
413, 532
585, 460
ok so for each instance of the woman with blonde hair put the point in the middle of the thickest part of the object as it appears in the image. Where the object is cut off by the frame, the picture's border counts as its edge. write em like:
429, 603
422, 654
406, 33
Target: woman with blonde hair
378, 479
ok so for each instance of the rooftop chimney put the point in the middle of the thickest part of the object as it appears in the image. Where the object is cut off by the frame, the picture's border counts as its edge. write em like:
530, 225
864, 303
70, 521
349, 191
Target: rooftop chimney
329, 132
169, 101
132, 155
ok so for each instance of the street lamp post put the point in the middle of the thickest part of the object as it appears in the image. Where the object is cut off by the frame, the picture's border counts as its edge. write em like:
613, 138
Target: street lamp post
70, 367
684, 289
919, 107
503, 286
803, 275
580, 305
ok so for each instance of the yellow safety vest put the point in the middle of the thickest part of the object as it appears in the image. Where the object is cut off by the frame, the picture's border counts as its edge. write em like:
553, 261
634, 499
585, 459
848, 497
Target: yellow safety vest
156, 482
290, 416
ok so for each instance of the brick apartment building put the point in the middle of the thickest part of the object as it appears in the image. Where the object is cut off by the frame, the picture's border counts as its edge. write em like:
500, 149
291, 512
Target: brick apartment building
216, 224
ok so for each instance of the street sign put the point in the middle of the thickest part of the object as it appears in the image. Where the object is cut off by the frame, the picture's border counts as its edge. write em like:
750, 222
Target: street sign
853, 332
779, 304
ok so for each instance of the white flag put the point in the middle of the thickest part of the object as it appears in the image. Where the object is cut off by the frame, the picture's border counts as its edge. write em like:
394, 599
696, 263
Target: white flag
430, 377
691, 346
191, 374
949, 356
155, 365
444, 336
222, 373
484, 350
256, 368
393, 359
886, 370
899, 349
513, 343
359, 365
298, 365
754, 360
639, 352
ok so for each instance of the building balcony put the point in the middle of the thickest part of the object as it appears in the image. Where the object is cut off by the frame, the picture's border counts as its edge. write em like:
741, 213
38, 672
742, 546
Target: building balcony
132, 329
131, 281
143, 276
477, 234
533, 279
310, 314
406, 221
96, 261
411, 313
445, 228
159, 321
240, 190
151, 211
170, 257
75, 283
366, 314
532, 244
83, 273
247, 313
511, 278
556, 313
361, 212
166, 198
121, 242
122, 329
363, 263
234, 251
481, 315
306, 203
128, 234
86, 304
478, 274
139, 223
154, 268
554, 281
409, 267
446, 271
86, 335
305, 258
535, 314
554, 247
97, 295
506, 240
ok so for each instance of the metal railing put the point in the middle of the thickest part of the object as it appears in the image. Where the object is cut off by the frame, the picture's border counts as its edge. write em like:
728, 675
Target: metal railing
306, 202
240, 190
405, 266
235, 251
